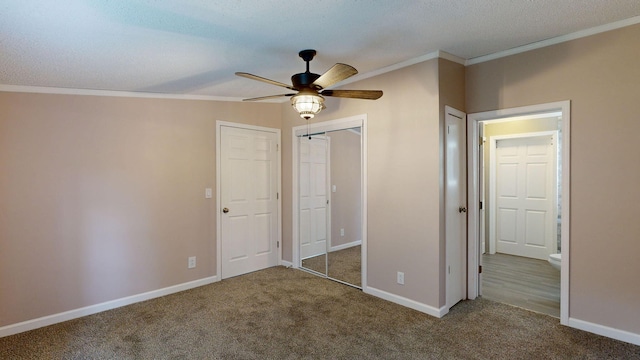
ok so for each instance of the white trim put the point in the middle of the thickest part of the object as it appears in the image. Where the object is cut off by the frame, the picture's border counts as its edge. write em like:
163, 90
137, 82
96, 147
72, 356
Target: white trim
555, 40
473, 142
527, 117
345, 246
332, 125
286, 263
363, 199
219, 125
94, 309
453, 58
338, 124
114, 93
329, 200
609, 332
427, 309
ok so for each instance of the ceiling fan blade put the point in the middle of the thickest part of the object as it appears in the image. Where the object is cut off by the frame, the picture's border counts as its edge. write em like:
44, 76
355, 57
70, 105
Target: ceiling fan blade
267, 97
337, 73
268, 81
355, 94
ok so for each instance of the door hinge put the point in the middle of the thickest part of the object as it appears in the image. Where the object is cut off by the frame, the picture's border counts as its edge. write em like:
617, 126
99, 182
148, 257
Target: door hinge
480, 205
277, 147
278, 244
277, 196
480, 269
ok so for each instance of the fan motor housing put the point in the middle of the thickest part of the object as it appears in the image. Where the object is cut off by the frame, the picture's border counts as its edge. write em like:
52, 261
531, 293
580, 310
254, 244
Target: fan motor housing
304, 80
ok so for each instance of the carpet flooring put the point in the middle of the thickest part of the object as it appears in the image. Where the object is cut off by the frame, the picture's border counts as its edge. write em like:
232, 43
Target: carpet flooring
344, 265
281, 313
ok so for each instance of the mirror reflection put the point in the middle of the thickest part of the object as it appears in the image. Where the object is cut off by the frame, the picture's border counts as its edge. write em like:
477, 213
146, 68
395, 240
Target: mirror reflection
344, 244
330, 201
313, 202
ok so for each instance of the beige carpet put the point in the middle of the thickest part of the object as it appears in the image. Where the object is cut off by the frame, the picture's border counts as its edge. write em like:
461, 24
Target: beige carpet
283, 313
344, 265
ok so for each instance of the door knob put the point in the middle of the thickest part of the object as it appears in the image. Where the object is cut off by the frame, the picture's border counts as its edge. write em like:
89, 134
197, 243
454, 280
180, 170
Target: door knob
462, 209
225, 210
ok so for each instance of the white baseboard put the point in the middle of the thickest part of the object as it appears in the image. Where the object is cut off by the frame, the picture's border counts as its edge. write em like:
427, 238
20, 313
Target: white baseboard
93, 309
345, 246
617, 334
286, 263
430, 310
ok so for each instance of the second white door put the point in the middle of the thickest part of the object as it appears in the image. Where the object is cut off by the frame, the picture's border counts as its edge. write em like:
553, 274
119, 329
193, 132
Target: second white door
525, 196
455, 206
249, 200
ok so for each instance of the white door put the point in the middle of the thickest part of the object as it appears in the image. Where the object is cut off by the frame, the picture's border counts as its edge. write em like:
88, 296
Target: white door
249, 198
455, 206
313, 196
525, 196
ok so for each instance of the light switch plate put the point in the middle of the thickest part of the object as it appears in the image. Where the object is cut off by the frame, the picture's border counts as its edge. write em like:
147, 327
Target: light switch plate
208, 193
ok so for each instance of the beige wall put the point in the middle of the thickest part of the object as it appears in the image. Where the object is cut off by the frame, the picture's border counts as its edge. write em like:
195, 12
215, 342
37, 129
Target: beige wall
403, 178
346, 176
103, 197
600, 75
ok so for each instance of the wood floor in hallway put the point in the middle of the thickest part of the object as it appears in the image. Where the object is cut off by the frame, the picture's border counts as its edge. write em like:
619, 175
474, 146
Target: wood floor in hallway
527, 283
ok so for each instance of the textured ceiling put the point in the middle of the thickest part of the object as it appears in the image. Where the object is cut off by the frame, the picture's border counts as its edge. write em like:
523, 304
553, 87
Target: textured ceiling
193, 47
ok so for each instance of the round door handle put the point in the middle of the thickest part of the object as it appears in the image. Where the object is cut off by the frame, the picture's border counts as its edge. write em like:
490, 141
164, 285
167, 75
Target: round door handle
462, 209
225, 210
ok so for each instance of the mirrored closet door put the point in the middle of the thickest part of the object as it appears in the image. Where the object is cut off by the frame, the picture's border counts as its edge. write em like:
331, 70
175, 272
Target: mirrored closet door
330, 204
313, 202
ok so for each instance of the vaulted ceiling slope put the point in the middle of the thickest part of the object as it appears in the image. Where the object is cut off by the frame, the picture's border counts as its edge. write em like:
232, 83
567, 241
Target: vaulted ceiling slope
194, 47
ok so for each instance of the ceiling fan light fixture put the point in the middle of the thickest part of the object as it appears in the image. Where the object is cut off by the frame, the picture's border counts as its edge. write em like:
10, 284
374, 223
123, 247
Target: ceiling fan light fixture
307, 104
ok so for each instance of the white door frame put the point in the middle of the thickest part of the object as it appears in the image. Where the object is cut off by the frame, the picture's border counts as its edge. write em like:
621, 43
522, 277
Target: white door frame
338, 124
219, 125
473, 141
493, 140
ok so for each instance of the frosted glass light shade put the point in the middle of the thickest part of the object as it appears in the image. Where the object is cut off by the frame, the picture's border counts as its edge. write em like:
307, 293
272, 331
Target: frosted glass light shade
307, 105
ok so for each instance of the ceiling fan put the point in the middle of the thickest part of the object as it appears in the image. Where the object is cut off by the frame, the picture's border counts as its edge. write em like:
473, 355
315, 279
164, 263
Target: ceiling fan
311, 88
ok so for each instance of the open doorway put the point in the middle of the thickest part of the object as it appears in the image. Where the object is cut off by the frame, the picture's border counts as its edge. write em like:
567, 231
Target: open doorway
519, 206
521, 192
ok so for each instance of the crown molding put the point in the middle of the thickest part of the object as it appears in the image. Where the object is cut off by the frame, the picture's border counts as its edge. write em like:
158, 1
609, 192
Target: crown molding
129, 94
556, 40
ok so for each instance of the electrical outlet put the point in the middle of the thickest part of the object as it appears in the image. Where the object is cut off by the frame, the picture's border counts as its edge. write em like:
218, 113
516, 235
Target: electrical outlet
341, 232
192, 262
400, 278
